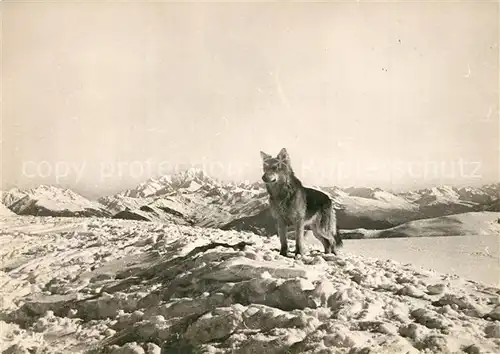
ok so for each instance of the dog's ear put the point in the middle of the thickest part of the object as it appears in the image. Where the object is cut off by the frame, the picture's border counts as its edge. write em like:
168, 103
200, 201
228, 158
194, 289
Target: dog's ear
265, 156
283, 156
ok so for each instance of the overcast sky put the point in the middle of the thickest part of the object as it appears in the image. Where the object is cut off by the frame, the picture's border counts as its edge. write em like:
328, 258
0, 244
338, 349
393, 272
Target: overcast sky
396, 95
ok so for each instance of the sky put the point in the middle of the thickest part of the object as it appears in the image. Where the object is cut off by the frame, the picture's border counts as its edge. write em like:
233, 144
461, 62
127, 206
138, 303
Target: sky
99, 97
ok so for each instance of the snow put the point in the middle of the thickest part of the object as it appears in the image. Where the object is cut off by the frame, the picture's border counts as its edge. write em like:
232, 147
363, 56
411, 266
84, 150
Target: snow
148, 188
206, 202
474, 257
474, 223
12, 195
393, 199
4, 211
58, 205
193, 187
373, 208
384, 204
440, 195
93, 285
377, 197
116, 203
190, 180
172, 203
207, 205
49, 199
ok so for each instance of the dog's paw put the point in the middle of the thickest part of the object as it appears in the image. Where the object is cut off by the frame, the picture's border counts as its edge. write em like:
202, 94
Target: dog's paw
300, 258
299, 253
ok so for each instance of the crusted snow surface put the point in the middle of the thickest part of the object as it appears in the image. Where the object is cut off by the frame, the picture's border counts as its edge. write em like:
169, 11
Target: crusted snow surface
463, 224
94, 285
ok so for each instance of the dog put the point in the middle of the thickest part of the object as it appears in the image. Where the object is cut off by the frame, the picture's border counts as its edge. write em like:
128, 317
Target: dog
292, 204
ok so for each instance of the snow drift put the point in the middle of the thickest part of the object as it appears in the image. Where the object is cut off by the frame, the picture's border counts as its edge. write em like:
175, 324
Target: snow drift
103, 285
473, 223
478, 223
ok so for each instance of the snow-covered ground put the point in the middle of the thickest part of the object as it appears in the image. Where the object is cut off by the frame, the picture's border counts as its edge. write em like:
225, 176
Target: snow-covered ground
4, 211
474, 223
102, 285
464, 224
475, 257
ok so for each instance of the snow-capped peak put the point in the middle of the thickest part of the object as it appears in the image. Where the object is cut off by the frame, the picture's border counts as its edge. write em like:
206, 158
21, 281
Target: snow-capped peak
183, 179
440, 194
190, 180
149, 188
49, 200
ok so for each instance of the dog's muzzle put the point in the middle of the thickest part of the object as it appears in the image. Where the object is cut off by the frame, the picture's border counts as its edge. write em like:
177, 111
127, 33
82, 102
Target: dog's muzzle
268, 180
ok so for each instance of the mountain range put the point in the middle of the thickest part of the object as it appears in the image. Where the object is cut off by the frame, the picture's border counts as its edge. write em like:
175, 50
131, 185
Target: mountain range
51, 201
191, 197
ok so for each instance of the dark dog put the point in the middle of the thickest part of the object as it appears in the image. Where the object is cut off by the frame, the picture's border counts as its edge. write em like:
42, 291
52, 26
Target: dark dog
292, 204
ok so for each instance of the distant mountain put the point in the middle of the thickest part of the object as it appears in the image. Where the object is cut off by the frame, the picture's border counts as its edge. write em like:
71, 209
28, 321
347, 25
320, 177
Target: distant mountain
11, 196
440, 195
446, 200
188, 180
117, 203
483, 195
376, 209
493, 206
188, 197
191, 197
51, 201
372, 208
157, 213
368, 208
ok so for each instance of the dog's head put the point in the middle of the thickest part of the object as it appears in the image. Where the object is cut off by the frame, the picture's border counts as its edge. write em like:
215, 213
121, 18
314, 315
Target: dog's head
276, 169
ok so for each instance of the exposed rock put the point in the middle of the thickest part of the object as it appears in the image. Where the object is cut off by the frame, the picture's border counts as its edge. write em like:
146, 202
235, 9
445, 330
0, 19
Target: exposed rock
139, 287
492, 330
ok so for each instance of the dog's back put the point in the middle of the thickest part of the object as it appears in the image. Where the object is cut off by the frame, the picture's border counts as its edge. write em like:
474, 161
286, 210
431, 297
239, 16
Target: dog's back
316, 201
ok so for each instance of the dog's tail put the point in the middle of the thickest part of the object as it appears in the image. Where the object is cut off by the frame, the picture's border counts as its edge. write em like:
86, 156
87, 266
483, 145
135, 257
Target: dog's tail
333, 226
336, 232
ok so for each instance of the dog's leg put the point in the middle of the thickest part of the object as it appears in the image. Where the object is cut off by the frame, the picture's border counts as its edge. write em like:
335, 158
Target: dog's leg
334, 244
283, 239
327, 243
299, 238
332, 247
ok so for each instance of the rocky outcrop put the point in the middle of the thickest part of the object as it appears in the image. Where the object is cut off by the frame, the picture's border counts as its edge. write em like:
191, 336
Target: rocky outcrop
114, 286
